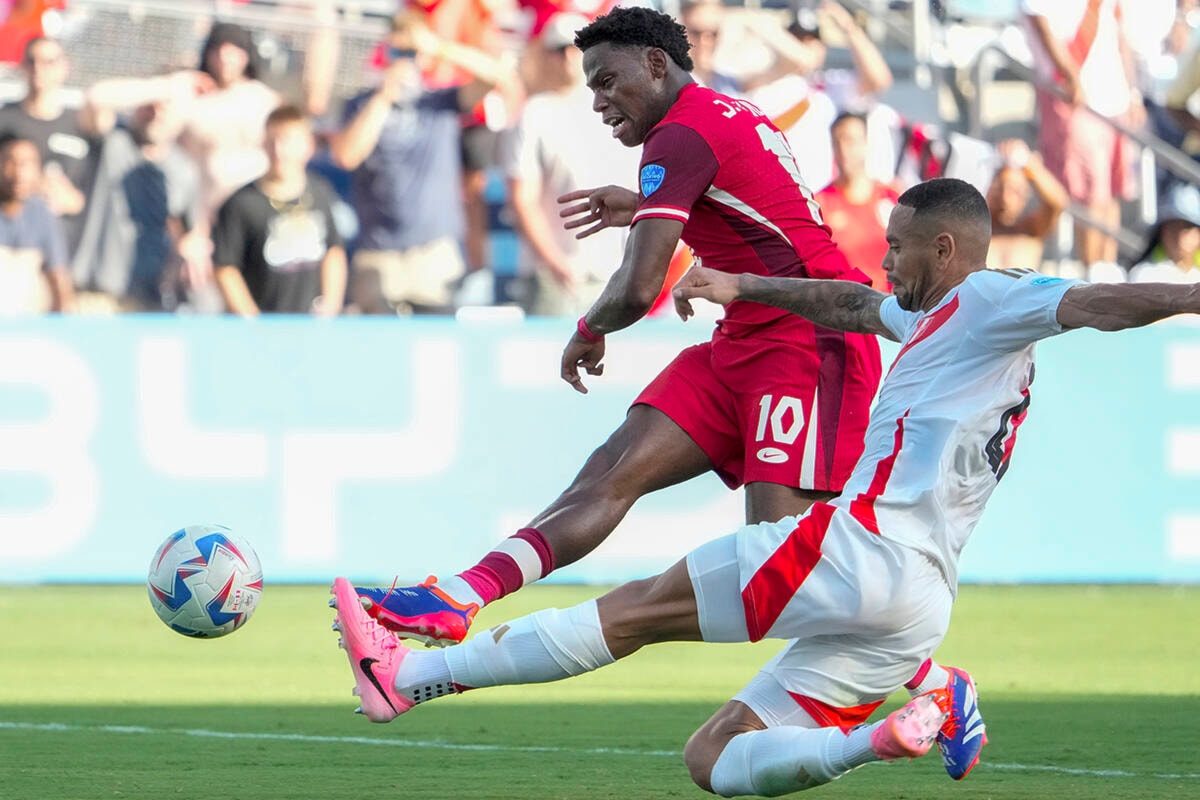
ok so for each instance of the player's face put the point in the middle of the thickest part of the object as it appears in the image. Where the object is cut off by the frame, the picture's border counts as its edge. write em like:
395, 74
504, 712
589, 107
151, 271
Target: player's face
910, 259
628, 89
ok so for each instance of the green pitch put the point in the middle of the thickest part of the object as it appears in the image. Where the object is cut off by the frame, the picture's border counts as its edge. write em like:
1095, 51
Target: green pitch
1089, 692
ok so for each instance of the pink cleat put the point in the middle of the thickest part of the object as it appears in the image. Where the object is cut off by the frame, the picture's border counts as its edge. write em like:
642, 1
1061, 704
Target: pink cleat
910, 731
375, 656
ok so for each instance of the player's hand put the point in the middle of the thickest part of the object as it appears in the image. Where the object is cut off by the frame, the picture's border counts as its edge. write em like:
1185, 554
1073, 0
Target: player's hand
581, 353
708, 284
607, 207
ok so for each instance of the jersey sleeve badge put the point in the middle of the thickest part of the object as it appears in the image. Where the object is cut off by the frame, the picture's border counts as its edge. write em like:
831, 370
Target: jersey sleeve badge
651, 178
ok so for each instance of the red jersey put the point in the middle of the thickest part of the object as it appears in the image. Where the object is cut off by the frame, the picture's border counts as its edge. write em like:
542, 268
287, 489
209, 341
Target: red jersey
860, 230
718, 165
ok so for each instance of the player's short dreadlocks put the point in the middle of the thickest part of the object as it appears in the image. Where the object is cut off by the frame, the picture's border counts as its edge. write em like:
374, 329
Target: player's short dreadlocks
636, 26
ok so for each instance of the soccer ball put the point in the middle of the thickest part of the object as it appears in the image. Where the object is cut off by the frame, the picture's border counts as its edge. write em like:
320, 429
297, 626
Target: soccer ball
204, 581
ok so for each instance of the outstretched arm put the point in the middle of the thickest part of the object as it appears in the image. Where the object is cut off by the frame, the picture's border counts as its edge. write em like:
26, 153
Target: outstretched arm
1117, 306
841, 305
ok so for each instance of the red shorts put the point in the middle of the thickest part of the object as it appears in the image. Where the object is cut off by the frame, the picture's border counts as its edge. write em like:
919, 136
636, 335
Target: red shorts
777, 411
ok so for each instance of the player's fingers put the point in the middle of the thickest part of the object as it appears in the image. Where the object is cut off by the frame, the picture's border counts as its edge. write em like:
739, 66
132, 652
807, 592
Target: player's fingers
594, 369
578, 208
683, 308
579, 222
577, 194
570, 374
599, 226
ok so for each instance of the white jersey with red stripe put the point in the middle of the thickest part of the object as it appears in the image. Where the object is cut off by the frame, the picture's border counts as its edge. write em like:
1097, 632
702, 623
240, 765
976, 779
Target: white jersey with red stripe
944, 425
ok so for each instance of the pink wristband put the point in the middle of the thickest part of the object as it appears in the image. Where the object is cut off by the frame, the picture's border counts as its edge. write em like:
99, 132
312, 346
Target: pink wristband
585, 332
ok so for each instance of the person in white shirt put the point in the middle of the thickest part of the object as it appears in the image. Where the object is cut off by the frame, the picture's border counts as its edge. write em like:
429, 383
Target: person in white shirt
861, 586
544, 159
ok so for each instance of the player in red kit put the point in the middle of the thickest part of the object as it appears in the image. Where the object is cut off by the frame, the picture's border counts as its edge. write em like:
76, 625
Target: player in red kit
771, 402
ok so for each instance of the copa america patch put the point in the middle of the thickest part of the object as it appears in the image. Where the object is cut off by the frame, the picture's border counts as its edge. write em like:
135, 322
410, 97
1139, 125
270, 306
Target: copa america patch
1045, 281
652, 177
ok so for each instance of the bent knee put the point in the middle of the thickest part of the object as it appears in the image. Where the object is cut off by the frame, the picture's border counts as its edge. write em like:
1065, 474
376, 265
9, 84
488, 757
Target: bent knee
700, 755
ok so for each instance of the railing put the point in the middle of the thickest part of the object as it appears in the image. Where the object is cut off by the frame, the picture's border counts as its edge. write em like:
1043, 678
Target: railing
1164, 155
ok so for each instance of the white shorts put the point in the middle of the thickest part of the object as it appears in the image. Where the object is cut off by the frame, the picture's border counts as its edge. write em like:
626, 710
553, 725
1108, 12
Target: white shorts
863, 612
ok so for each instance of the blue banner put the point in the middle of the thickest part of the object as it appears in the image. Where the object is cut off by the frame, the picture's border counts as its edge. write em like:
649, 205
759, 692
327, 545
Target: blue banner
404, 447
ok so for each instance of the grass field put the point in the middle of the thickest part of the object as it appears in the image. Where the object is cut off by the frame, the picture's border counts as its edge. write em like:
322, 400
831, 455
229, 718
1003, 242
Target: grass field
1089, 692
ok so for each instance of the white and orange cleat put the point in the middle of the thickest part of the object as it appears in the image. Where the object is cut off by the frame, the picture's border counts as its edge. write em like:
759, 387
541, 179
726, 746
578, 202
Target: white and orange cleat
910, 731
375, 655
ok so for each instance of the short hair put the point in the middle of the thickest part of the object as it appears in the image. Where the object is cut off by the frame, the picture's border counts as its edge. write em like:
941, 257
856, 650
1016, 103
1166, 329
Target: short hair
285, 114
638, 27
949, 198
848, 115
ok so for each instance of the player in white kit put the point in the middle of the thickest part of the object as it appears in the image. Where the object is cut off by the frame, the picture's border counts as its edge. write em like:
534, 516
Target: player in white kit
862, 585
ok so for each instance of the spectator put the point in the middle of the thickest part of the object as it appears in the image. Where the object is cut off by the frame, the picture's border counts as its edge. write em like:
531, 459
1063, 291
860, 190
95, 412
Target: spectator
855, 206
1183, 104
224, 128
224, 106
140, 221
20, 22
803, 98
1018, 232
63, 136
403, 143
472, 23
1172, 253
1079, 45
33, 253
276, 246
545, 159
702, 19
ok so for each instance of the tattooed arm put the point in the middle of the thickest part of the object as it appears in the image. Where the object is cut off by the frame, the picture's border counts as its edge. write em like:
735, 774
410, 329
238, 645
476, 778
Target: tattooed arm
841, 305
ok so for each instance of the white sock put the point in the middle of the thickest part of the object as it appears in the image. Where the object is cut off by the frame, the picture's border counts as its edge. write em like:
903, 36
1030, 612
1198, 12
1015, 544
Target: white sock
461, 591
936, 678
423, 675
788, 759
548, 645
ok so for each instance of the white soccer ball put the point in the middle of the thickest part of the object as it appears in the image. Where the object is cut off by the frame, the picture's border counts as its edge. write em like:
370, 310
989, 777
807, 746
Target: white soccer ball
205, 581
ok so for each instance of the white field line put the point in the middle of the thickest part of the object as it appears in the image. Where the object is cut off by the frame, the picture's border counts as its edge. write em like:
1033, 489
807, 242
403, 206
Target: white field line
58, 727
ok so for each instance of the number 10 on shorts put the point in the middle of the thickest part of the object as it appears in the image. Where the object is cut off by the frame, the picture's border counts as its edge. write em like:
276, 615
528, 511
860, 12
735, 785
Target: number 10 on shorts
780, 422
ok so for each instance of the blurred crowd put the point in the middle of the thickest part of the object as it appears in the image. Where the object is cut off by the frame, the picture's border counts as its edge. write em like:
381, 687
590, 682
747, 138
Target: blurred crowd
215, 188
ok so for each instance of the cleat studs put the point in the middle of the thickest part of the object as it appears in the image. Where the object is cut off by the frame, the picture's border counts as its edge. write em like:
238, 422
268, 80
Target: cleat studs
341, 643
335, 626
333, 602
358, 710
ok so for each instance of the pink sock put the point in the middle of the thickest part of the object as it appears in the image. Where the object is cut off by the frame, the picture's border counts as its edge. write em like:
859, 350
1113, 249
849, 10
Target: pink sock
520, 559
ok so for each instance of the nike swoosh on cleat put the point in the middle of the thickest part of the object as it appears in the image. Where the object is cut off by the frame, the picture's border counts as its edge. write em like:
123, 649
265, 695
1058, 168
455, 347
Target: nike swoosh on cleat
365, 665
